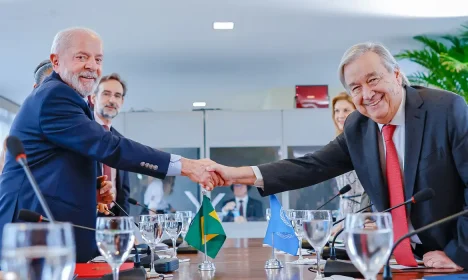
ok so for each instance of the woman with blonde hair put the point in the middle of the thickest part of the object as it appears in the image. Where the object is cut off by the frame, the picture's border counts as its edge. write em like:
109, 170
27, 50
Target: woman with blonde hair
355, 199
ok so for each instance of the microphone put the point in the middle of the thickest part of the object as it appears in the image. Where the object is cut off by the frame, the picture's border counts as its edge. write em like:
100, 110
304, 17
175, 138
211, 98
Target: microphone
387, 274
335, 266
135, 202
342, 191
15, 147
34, 217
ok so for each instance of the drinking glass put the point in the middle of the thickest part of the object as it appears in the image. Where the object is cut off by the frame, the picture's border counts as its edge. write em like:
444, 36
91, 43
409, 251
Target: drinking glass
152, 229
115, 239
297, 217
317, 228
173, 227
38, 251
187, 217
369, 248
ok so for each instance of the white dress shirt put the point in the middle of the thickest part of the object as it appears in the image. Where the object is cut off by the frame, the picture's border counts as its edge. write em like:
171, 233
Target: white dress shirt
398, 139
113, 171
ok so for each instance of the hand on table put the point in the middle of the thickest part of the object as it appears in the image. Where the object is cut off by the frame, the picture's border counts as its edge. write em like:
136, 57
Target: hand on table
103, 208
229, 206
438, 259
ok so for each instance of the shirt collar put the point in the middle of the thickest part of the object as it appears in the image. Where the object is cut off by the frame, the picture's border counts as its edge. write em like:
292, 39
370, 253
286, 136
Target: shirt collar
399, 118
99, 121
244, 199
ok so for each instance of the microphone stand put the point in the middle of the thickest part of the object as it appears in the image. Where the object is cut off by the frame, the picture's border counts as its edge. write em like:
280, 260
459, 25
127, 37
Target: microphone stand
387, 274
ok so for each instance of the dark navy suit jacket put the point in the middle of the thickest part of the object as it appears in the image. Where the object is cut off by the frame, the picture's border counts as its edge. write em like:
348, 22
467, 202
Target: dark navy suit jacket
436, 157
63, 145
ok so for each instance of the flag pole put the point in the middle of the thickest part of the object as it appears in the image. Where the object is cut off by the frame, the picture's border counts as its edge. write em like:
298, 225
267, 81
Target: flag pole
206, 251
206, 265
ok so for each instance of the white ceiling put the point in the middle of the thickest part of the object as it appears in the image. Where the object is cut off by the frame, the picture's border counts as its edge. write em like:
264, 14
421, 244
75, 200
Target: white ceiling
170, 56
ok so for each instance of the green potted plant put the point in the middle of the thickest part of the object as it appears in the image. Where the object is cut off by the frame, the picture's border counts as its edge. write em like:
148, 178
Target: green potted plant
445, 60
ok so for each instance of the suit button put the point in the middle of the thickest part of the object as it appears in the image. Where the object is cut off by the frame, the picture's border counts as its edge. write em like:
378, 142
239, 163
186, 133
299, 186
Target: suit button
150, 166
155, 167
147, 165
142, 163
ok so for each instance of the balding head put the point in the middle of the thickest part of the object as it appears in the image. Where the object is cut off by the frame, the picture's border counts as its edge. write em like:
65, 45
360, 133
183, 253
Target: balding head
76, 55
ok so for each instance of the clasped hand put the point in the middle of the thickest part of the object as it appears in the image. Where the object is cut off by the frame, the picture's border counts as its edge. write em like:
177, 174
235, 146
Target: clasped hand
206, 172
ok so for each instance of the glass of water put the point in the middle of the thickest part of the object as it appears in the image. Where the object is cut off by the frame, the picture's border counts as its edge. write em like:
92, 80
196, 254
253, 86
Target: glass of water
187, 217
317, 228
369, 247
115, 239
38, 251
152, 229
297, 217
173, 227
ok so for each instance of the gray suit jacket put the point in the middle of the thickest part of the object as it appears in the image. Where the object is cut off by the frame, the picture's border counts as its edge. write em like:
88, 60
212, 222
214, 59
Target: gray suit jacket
436, 157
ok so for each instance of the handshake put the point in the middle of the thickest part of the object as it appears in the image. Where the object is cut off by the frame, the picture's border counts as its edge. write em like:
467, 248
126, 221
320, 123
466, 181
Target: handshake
210, 174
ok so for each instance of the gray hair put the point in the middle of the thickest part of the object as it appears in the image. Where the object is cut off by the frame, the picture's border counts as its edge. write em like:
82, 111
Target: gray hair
62, 38
356, 51
41, 70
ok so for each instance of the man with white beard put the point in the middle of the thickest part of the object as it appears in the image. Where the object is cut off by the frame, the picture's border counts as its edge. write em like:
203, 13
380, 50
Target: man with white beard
64, 143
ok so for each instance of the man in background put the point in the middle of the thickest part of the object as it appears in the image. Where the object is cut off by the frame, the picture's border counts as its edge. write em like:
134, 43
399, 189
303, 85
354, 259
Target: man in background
242, 207
41, 72
108, 99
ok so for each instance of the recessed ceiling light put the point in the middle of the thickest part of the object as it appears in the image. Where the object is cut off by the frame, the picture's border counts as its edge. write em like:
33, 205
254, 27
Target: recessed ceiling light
199, 104
223, 25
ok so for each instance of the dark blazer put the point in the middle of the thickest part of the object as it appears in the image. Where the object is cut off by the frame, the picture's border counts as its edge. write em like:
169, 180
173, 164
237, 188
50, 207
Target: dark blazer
254, 210
63, 144
436, 157
122, 186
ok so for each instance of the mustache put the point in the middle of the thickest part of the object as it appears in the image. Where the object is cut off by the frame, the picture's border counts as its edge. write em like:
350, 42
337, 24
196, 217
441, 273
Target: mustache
88, 74
111, 105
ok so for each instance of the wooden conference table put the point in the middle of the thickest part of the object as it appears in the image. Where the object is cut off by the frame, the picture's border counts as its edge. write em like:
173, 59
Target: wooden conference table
245, 259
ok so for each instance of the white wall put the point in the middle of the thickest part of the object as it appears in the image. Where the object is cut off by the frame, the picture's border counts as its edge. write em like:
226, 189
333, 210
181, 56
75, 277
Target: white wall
269, 128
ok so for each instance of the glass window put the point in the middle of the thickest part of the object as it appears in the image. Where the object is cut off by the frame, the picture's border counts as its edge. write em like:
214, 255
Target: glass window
312, 197
168, 194
254, 209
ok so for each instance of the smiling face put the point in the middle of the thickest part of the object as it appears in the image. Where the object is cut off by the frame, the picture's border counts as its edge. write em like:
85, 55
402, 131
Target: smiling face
376, 92
109, 99
79, 62
341, 111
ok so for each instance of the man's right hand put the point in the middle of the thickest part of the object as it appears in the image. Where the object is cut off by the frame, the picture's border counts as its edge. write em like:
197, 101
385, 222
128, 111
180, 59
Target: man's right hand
231, 175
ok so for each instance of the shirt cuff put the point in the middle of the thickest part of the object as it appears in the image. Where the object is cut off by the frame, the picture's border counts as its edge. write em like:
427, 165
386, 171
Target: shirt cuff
259, 178
175, 166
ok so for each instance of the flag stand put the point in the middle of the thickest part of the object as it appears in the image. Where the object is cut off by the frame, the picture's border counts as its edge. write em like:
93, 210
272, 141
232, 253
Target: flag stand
273, 263
206, 265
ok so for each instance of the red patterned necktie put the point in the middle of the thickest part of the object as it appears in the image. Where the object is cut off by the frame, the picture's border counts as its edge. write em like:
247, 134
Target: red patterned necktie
403, 253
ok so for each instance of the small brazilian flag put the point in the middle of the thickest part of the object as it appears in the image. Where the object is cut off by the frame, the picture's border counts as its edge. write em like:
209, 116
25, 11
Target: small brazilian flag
206, 222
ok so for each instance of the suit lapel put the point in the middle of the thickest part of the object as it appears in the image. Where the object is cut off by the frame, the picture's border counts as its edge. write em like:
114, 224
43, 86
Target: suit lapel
378, 191
415, 118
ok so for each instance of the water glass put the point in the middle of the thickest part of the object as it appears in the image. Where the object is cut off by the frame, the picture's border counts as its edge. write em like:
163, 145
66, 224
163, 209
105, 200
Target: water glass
38, 251
369, 247
297, 217
317, 228
115, 239
152, 229
173, 227
187, 217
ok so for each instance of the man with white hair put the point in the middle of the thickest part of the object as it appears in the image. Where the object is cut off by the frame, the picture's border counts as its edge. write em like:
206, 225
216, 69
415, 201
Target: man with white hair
402, 139
64, 143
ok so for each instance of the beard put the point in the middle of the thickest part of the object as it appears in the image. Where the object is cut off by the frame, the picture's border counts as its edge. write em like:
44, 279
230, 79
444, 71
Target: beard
84, 90
108, 115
